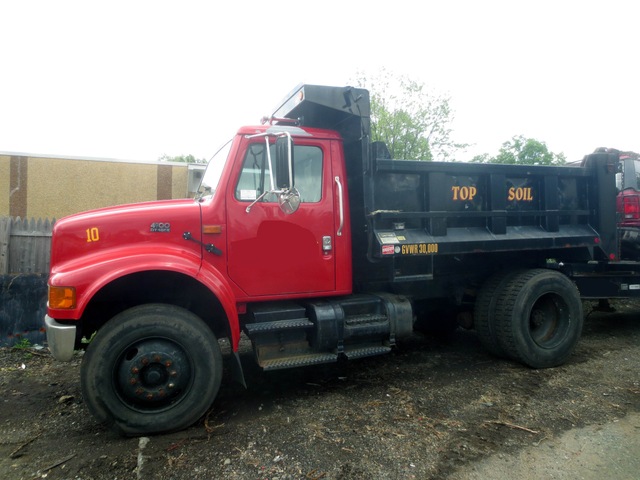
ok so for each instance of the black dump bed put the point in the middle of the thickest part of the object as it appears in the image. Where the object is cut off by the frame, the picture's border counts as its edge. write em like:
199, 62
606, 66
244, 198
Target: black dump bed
468, 208
408, 217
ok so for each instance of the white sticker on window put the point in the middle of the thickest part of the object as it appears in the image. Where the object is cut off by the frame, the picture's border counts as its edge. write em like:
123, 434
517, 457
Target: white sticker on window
248, 195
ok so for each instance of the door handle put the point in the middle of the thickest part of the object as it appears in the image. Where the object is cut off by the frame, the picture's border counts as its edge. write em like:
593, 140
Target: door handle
326, 244
340, 206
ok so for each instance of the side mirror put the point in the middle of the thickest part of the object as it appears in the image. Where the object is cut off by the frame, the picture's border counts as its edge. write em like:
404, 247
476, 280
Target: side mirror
284, 163
289, 201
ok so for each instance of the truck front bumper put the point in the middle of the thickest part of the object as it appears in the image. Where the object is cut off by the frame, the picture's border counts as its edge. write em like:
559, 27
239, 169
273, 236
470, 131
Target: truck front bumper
61, 339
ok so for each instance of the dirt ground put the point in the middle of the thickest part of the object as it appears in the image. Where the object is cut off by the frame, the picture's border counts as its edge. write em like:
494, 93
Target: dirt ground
433, 409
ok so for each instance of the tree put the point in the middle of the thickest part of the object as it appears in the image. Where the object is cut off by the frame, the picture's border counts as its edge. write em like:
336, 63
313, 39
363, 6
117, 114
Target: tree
414, 123
182, 159
523, 151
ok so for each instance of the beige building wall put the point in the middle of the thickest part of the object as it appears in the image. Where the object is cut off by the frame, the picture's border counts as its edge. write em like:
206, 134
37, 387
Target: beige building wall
4, 184
83, 185
53, 187
179, 182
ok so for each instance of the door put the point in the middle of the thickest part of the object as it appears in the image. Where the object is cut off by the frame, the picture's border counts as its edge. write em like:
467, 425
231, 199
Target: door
273, 253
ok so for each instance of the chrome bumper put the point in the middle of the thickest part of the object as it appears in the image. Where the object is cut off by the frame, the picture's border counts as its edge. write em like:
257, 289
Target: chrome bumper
61, 339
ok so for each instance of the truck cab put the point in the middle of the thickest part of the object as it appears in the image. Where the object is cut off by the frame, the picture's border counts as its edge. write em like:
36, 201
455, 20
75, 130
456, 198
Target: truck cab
269, 236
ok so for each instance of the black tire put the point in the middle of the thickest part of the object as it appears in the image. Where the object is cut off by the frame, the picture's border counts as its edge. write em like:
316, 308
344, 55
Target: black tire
484, 318
151, 369
539, 318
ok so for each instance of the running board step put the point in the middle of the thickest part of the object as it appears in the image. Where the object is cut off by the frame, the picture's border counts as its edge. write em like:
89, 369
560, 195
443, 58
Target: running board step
365, 318
277, 325
299, 361
352, 353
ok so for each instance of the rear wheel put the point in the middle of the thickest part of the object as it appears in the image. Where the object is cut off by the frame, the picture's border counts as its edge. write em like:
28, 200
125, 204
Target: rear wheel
539, 318
153, 368
484, 315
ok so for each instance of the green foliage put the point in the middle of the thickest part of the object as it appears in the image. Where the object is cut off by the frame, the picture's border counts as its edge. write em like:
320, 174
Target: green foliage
484, 158
87, 341
182, 159
22, 344
523, 151
413, 122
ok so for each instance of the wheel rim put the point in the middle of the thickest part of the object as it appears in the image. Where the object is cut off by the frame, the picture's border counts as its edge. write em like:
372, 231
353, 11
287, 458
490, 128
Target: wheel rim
549, 321
153, 374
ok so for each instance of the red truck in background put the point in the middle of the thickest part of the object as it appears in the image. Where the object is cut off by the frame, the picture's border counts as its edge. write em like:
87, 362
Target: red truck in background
314, 244
628, 204
627, 200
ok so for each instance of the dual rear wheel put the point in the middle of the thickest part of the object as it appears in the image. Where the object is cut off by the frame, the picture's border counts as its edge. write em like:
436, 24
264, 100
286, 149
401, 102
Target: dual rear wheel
532, 316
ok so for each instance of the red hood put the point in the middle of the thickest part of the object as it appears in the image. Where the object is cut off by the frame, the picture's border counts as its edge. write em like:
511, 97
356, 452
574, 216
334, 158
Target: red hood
85, 234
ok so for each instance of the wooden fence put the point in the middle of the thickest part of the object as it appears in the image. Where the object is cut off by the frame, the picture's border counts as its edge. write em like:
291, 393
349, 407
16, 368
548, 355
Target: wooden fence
25, 245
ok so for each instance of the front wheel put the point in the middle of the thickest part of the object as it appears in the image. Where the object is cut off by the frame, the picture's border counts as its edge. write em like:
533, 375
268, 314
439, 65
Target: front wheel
539, 318
153, 368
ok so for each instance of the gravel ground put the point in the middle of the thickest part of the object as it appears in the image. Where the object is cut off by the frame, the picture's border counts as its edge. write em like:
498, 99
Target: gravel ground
433, 409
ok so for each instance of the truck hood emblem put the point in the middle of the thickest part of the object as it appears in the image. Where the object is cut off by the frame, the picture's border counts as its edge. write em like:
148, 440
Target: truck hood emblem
160, 227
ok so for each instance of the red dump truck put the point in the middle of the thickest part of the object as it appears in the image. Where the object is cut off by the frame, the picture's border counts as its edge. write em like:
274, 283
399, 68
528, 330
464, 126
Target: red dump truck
314, 244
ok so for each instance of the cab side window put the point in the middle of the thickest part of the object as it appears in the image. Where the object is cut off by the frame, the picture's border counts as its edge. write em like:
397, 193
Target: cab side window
307, 173
255, 178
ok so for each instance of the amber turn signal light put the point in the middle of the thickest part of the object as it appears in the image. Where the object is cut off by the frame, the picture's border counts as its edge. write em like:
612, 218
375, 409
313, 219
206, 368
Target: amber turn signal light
212, 229
63, 298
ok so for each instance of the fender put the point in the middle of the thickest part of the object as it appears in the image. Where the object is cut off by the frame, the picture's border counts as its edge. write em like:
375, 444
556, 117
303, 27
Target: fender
101, 270
219, 286
91, 273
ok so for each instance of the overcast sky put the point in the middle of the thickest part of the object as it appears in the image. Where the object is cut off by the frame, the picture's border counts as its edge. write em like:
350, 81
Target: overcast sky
139, 79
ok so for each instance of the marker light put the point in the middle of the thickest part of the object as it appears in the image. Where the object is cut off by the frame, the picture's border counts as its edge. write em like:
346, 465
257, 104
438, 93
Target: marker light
62, 298
212, 229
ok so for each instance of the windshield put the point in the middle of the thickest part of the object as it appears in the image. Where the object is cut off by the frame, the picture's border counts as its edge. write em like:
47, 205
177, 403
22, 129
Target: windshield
211, 176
